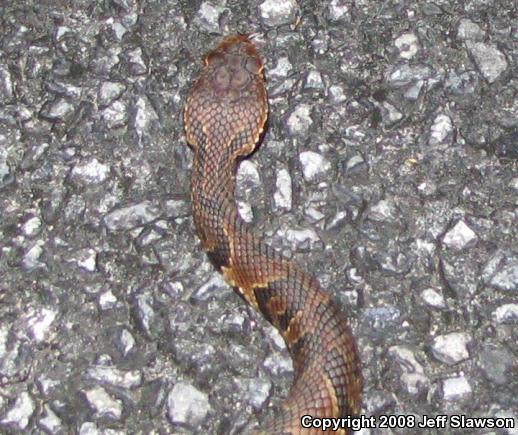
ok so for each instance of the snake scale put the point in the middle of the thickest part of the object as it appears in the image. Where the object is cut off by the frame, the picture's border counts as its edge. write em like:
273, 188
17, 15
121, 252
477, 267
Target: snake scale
225, 115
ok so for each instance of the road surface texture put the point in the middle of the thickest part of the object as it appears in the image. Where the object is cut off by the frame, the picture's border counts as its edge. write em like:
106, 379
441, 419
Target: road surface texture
388, 170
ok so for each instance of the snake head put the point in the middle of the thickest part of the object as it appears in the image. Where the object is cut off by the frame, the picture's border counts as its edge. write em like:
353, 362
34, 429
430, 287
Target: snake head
233, 65
240, 47
228, 105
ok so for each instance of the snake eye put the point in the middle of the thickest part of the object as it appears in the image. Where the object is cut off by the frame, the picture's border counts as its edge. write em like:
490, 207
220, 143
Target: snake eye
214, 58
254, 65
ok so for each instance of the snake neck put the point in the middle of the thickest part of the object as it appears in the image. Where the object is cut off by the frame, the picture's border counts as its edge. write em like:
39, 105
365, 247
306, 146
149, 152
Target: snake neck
213, 197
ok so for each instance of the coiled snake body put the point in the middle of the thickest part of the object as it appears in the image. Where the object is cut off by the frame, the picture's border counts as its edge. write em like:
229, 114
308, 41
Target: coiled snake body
225, 114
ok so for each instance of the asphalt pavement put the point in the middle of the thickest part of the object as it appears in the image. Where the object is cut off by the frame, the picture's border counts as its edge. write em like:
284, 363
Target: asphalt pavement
388, 170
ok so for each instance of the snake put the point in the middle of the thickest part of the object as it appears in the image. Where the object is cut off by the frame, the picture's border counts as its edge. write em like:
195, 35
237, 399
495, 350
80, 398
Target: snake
225, 114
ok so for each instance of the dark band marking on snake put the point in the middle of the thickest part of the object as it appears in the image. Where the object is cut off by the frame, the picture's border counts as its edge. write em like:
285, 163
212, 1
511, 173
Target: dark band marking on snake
225, 114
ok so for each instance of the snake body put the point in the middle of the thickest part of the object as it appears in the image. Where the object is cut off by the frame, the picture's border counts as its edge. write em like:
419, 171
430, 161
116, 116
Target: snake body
225, 114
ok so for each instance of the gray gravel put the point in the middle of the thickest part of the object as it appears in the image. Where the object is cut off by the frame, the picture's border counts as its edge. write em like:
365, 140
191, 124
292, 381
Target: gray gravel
389, 170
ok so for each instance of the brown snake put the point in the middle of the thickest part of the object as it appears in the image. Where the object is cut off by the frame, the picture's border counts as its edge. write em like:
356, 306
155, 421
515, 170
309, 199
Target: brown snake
225, 115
